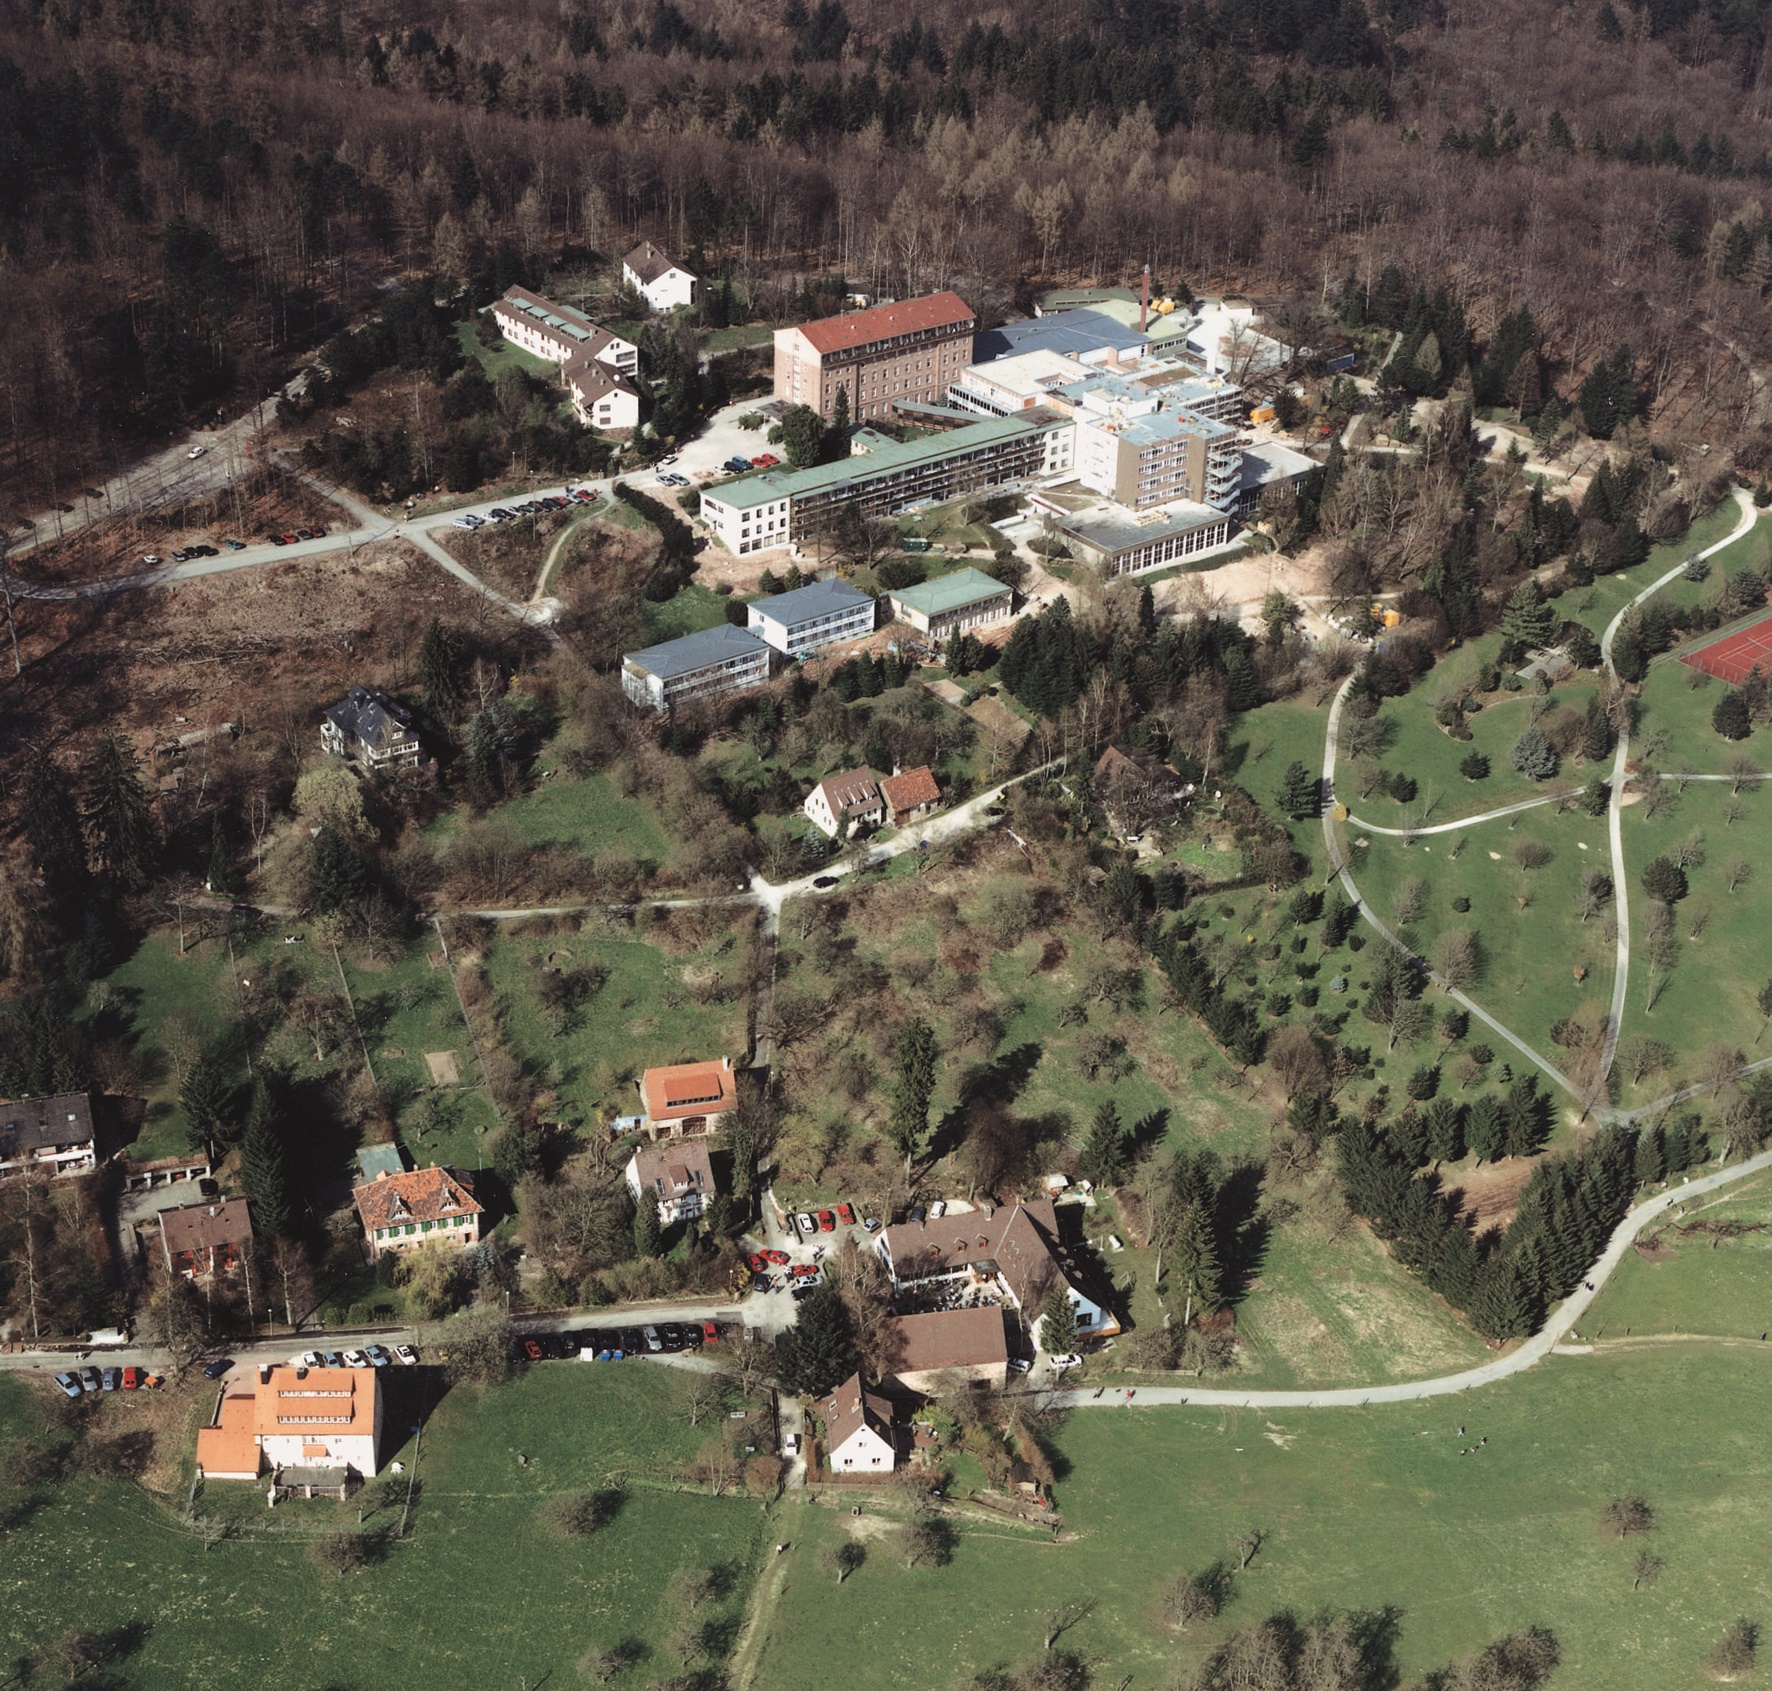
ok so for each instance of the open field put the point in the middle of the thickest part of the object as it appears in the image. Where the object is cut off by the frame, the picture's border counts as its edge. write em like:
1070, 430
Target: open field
1597, 605
481, 1579
1366, 1509
1721, 960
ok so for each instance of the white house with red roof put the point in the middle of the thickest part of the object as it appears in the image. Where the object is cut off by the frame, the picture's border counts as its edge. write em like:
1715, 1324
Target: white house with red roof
687, 1097
857, 1430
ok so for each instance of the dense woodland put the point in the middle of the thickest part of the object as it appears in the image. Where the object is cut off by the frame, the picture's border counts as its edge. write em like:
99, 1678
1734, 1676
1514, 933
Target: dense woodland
196, 193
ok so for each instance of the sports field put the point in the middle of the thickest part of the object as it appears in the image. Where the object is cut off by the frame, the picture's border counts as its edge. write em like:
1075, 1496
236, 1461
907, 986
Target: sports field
1734, 657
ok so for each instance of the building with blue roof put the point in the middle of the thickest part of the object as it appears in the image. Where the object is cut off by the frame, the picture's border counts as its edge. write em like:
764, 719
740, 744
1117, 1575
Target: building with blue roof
820, 614
716, 660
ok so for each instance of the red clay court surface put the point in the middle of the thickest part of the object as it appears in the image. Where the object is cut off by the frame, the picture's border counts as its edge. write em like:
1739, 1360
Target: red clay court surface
1733, 657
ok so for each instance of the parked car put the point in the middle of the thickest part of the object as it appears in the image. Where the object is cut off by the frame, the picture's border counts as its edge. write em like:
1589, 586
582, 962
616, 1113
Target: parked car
822, 881
827, 1223
289, 537
1069, 1360
69, 1383
276, 540
790, 1444
804, 1271
308, 1359
653, 1341
1019, 1365
378, 1355
461, 522
758, 1262
633, 1341
938, 1209
149, 558
112, 1379
569, 1345
356, 1359
805, 1289
710, 1333
776, 1256
872, 1224
807, 1225
532, 1349
406, 1355
134, 1379
331, 1359
235, 545
671, 1336
214, 1371
918, 1213
196, 451
846, 1215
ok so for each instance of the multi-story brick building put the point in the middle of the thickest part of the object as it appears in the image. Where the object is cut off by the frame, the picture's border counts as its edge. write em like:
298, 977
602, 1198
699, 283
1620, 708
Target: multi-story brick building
888, 355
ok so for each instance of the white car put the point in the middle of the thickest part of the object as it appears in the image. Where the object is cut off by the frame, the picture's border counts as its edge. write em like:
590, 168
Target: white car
405, 1355
463, 522
938, 1209
308, 1359
149, 558
356, 1359
653, 1341
1071, 1360
807, 1225
196, 451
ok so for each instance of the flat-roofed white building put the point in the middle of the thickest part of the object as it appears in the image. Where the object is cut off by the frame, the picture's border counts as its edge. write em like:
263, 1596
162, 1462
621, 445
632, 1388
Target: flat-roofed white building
820, 614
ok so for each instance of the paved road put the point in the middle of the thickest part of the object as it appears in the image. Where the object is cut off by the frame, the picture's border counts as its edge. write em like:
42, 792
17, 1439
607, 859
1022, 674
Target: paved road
1462, 822
1620, 760
1529, 1354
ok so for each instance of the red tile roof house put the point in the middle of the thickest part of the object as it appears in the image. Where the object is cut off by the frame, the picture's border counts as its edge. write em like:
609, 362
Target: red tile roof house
886, 356
841, 804
909, 796
400, 1212
857, 1430
200, 1240
1015, 1245
927, 1351
687, 1097
325, 1424
678, 1176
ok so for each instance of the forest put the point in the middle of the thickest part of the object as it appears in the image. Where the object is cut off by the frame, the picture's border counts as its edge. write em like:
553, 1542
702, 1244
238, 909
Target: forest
200, 194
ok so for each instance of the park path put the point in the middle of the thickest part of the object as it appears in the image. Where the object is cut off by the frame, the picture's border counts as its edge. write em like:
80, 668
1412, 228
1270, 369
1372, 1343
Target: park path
1529, 1353
1615, 811
1339, 868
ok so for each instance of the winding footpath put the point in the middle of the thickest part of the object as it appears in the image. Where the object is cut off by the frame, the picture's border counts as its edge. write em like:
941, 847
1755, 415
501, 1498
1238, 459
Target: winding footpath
1528, 1354
1620, 758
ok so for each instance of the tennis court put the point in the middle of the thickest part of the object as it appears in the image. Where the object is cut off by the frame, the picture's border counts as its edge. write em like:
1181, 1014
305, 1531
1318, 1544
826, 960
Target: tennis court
1735, 656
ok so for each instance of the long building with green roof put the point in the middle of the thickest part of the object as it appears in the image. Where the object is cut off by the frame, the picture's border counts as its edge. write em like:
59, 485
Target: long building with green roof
882, 476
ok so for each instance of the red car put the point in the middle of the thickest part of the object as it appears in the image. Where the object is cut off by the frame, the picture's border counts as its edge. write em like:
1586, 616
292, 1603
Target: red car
846, 1215
291, 538
827, 1223
765, 460
133, 1378
533, 1350
758, 1261
805, 1271
710, 1333
778, 1257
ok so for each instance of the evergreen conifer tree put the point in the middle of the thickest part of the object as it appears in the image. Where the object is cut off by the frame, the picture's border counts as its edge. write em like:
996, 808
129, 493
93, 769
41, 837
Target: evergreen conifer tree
1730, 718
440, 669
51, 821
207, 1102
1596, 733
1484, 1131
648, 1234
118, 818
1195, 1259
1105, 1150
1058, 1323
818, 1352
1300, 792
264, 1173
917, 1052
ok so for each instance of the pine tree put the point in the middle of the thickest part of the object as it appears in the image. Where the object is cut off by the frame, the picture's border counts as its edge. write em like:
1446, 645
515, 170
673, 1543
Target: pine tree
818, 1352
1650, 1161
1058, 1323
1195, 1259
1301, 792
1664, 880
1730, 717
917, 1055
220, 877
207, 1102
1596, 734
1533, 755
1104, 1152
1526, 620
336, 873
1524, 1117
836, 440
1147, 610
1484, 1131
648, 1234
1241, 691
440, 670
1502, 1307
1628, 657
1445, 1130
51, 822
118, 817
264, 1174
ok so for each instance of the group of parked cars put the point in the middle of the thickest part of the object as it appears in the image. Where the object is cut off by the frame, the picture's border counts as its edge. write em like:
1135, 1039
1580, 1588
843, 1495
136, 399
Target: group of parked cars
290, 536
763, 461
611, 1344
531, 507
90, 1381
370, 1356
811, 1224
205, 550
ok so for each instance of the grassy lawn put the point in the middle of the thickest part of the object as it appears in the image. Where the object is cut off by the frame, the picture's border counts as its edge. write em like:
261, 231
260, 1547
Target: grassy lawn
404, 1009
481, 1579
505, 356
1597, 605
687, 612
653, 1008
587, 814
1366, 1509
1696, 1282
739, 336
1709, 994
1531, 948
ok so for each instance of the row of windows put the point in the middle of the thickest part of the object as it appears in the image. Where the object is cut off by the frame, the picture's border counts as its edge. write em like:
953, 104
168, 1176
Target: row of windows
415, 1227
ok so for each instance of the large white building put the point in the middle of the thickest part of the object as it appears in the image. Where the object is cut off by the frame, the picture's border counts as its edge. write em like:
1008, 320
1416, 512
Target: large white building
721, 659
820, 614
321, 1421
599, 370
857, 1430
